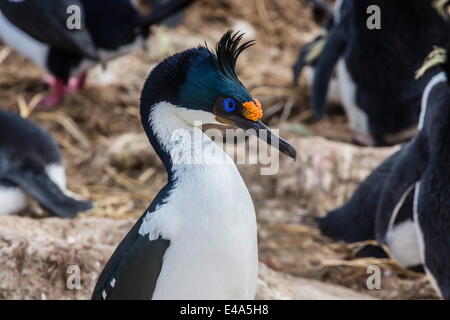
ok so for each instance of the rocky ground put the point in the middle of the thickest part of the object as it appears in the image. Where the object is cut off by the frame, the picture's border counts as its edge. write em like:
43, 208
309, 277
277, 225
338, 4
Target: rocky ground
109, 161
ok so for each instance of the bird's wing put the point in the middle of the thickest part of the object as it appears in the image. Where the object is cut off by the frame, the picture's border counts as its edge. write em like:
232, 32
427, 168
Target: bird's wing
133, 270
163, 10
40, 187
332, 51
404, 175
49, 21
355, 220
173, 20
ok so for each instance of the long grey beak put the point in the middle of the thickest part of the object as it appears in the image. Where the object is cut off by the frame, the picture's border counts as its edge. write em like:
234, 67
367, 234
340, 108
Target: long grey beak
264, 133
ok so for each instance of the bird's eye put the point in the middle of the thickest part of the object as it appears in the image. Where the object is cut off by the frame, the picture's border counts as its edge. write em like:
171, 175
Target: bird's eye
229, 104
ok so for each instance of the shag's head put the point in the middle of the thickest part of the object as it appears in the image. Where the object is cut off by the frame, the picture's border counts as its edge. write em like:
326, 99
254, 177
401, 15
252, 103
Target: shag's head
204, 86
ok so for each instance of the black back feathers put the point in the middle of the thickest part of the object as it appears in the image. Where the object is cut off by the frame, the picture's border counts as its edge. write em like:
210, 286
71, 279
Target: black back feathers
164, 12
228, 50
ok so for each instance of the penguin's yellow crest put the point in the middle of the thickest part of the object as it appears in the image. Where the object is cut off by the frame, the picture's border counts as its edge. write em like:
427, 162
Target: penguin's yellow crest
441, 8
436, 57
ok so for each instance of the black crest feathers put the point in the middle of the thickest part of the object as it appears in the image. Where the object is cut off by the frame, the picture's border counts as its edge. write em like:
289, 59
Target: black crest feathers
227, 52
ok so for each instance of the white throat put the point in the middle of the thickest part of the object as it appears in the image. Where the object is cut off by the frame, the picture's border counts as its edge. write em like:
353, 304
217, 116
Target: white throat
208, 215
178, 133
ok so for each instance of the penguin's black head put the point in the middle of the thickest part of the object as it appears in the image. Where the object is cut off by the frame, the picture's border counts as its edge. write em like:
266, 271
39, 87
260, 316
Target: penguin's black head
203, 86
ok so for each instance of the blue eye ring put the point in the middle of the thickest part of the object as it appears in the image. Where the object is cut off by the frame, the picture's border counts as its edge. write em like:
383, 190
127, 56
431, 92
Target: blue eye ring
229, 104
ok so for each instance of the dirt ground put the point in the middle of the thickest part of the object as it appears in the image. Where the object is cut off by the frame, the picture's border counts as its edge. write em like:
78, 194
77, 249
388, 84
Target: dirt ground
92, 123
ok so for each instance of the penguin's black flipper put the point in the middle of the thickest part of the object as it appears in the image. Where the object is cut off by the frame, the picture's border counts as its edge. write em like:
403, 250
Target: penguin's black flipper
173, 20
41, 188
407, 170
333, 50
48, 21
163, 12
323, 6
371, 251
355, 220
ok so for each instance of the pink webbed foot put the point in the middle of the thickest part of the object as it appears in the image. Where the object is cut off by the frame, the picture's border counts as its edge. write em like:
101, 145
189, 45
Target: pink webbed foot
55, 97
49, 80
77, 84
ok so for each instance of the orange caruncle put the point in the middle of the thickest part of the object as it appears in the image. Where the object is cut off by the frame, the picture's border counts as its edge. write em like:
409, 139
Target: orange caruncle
253, 110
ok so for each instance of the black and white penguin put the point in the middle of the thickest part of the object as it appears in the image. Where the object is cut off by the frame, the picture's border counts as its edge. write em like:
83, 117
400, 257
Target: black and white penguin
404, 203
40, 31
356, 220
30, 164
423, 168
197, 239
376, 67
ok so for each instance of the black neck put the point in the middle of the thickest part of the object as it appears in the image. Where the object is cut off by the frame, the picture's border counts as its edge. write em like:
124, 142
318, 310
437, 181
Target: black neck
162, 153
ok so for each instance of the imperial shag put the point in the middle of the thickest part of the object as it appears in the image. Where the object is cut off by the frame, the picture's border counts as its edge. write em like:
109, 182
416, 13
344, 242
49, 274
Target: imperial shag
197, 240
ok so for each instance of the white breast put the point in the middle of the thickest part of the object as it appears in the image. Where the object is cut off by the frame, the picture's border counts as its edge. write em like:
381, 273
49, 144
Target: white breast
357, 118
23, 43
334, 90
210, 221
402, 241
208, 217
402, 237
12, 200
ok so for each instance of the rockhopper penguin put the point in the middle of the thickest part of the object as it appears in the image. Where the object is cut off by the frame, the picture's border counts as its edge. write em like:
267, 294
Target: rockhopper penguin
30, 163
410, 190
376, 67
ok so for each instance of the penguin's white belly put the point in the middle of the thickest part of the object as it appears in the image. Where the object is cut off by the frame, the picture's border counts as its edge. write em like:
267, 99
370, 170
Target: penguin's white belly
403, 243
358, 119
12, 200
334, 90
218, 264
210, 221
23, 43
